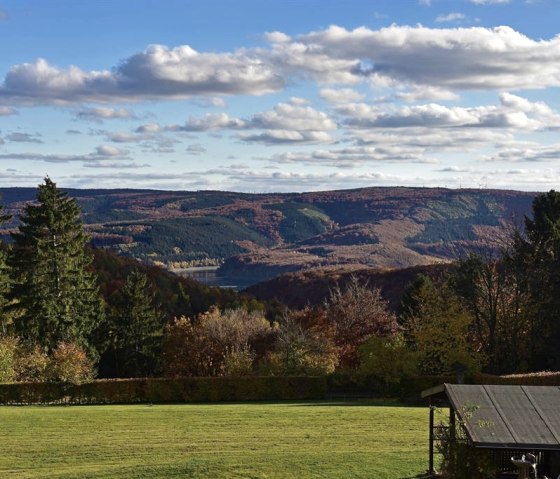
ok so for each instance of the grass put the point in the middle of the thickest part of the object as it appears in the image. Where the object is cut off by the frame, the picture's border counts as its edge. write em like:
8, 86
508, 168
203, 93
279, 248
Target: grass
284, 440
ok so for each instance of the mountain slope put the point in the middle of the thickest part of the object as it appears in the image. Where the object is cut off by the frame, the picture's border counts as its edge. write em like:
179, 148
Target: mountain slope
262, 235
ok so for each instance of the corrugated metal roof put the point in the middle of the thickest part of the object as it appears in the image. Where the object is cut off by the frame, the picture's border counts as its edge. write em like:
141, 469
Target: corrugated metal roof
509, 417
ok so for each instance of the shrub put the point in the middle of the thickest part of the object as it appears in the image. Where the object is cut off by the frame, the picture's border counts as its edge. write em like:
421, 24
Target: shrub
388, 359
70, 364
31, 364
8, 351
301, 349
459, 460
239, 361
200, 347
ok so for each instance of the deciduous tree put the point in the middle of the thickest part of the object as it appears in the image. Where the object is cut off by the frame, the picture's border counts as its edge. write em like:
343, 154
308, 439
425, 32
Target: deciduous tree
356, 313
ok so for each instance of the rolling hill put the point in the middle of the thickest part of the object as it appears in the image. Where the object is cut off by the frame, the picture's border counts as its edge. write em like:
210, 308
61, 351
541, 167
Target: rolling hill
263, 235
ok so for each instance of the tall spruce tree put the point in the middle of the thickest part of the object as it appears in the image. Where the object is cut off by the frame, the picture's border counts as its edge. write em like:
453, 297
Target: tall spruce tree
135, 327
5, 283
52, 282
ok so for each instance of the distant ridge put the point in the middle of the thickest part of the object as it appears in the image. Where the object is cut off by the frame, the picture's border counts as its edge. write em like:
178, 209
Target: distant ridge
262, 235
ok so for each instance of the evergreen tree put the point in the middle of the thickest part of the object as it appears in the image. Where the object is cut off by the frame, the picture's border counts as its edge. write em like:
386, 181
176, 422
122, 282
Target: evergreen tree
5, 283
538, 255
58, 294
135, 327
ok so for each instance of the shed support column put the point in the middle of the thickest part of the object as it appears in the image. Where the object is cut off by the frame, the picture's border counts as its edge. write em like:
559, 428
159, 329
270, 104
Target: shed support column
451, 423
431, 464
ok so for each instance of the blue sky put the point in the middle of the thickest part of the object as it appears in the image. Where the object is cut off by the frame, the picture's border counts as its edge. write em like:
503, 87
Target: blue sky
290, 95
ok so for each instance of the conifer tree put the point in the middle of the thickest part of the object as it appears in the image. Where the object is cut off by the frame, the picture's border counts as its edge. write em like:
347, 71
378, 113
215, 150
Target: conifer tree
136, 326
52, 282
5, 283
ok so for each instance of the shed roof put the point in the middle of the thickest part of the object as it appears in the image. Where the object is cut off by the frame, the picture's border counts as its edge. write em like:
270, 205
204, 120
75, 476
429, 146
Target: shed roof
509, 417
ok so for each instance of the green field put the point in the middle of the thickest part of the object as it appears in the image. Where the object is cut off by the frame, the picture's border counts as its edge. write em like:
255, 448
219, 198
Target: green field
285, 440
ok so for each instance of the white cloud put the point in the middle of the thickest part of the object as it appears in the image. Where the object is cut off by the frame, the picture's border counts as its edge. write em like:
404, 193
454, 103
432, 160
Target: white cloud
489, 2
451, 58
353, 157
528, 154
451, 17
514, 112
287, 136
287, 116
159, 72
103, 113
110, 151
290, 122
448, 59
208, 122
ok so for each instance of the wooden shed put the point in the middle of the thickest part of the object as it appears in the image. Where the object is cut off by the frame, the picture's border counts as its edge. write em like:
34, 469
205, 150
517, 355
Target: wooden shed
509, 420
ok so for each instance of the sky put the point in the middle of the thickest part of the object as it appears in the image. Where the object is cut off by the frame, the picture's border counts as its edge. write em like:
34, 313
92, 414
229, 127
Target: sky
280, 95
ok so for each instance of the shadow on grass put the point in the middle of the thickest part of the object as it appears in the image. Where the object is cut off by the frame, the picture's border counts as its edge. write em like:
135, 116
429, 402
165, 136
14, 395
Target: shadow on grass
420, 476
352, 402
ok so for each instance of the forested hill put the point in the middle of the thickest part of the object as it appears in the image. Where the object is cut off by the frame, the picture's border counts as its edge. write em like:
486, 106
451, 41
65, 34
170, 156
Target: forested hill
261, 235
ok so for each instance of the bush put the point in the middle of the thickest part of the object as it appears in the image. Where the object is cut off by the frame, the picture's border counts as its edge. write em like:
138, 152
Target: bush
388, 359
70, 364
32, 364
459, 460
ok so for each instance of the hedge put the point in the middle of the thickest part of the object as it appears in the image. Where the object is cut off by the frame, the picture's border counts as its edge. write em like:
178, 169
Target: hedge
165, 390
409, 388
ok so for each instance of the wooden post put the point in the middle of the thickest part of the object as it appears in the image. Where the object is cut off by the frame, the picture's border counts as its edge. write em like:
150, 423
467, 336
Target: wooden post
431, 464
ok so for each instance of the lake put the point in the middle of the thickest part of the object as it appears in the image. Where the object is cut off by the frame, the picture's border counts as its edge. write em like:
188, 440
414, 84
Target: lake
210, 276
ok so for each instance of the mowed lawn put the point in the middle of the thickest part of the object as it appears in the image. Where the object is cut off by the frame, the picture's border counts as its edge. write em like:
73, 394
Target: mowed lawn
250, 440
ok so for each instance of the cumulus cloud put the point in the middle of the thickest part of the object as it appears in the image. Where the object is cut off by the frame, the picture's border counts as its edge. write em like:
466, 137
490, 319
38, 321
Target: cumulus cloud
100, 113
450, 58
287, 136
287, 116
530, 153
108, 150
290, 122
159, 72
514, 112
208, 122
